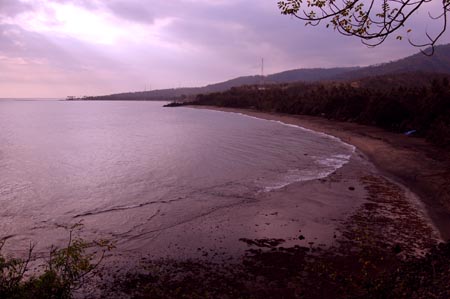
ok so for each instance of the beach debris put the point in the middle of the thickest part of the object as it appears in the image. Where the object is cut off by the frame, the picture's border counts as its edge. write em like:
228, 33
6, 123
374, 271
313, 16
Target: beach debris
268, 243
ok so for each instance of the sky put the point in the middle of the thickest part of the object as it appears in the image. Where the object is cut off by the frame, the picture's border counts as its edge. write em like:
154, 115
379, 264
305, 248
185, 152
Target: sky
57, 48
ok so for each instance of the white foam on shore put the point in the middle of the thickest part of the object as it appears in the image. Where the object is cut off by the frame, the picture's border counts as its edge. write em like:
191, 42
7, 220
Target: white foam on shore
294, 176
326, 166
336, 161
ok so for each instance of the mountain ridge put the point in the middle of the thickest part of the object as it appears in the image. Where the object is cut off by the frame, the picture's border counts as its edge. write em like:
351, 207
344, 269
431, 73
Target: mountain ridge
438, 63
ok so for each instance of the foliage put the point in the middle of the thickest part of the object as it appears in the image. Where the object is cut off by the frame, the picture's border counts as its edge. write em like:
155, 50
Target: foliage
66, 270
372, 21
12, 271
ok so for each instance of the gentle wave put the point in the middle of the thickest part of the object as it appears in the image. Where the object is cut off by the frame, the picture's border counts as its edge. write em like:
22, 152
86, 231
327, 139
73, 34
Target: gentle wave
296, 175
333, 163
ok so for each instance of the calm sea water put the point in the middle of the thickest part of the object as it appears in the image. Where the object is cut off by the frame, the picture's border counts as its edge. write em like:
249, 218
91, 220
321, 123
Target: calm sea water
130, 169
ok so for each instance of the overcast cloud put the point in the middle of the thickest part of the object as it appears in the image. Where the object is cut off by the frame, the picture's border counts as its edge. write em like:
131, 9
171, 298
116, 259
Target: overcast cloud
80, 47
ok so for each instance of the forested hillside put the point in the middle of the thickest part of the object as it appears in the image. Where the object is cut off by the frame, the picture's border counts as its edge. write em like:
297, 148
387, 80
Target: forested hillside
400, 103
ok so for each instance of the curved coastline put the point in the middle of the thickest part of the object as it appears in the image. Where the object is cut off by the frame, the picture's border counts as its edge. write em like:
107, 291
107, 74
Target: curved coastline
410, 162
342, 160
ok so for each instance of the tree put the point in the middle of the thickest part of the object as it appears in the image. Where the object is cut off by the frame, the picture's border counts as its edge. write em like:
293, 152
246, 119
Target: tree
370, 20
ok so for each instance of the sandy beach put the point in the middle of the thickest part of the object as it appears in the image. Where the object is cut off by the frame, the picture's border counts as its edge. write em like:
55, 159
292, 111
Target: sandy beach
388, 201
384, 192
388, 208
407, 161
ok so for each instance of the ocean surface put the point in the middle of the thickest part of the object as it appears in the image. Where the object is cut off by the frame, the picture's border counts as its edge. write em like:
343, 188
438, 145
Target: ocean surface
131, 170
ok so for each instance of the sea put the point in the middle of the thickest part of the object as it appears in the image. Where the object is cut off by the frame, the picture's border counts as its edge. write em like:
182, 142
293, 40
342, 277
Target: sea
129, 171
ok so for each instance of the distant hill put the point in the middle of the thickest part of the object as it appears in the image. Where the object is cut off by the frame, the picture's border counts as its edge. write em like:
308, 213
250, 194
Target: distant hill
438, 63
308, 75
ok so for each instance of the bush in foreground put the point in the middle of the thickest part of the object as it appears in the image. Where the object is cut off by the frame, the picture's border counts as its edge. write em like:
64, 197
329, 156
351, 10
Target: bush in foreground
66, 270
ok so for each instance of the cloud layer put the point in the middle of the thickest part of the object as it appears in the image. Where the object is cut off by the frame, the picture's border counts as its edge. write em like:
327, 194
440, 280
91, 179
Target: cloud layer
79, 47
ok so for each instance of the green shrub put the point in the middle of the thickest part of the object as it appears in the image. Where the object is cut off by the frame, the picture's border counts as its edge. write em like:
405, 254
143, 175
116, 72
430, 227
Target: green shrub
66, 270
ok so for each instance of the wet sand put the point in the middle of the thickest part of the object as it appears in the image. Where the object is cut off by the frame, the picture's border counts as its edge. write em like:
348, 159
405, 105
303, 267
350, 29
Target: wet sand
297, 214
407, 161
378, 192
383, 212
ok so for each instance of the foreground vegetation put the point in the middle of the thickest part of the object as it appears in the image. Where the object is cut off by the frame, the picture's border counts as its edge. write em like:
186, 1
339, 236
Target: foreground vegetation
356, 268
66, 270
400, 103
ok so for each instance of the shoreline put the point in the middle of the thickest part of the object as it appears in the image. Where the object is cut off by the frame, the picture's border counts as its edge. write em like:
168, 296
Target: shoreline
408, 161
359, 230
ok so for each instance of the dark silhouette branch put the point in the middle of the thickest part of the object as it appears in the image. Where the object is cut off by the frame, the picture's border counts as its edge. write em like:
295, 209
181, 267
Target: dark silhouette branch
373, 21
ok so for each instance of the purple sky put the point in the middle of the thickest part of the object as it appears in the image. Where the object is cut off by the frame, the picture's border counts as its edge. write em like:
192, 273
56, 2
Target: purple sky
55, 48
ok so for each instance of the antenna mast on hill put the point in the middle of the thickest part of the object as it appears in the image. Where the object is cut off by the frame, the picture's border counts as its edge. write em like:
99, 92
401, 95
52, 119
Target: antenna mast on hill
262, 71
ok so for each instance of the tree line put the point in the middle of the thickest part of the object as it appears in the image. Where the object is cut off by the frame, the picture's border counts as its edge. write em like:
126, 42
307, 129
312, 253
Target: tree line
416, 102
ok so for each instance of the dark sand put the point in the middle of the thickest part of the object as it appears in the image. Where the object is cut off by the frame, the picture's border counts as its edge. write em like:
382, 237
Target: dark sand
391, 200
409, 162
375, 193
